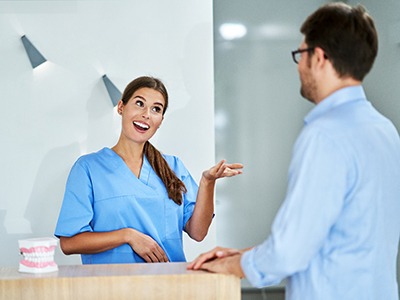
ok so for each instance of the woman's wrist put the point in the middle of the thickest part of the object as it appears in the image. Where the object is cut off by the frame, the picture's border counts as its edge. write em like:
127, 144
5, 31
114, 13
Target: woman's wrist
206, 180
128, 235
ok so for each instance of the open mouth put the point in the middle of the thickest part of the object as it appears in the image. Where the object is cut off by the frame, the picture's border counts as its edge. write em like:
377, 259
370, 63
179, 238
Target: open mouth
141, 126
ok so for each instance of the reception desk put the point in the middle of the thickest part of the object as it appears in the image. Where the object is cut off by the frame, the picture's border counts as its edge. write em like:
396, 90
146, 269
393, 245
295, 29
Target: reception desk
125, 281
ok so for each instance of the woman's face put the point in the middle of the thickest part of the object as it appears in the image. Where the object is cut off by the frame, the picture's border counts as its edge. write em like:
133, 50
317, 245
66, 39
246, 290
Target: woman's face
142, 115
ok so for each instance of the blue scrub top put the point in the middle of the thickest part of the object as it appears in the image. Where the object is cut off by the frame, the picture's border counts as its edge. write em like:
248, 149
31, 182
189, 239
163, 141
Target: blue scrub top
102, 194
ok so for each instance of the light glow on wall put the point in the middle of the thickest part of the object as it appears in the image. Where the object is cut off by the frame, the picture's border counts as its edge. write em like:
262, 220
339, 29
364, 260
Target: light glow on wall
232, 31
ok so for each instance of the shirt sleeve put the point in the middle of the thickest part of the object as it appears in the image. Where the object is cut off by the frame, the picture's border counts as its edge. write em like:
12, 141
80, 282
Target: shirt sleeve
189, 198
76, 211
314, 199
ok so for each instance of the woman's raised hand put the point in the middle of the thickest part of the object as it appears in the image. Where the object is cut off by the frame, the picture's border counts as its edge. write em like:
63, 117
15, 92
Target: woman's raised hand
222, 169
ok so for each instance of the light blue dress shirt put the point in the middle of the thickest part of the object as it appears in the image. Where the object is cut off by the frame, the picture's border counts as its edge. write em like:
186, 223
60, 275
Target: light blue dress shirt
336, 234
102, 194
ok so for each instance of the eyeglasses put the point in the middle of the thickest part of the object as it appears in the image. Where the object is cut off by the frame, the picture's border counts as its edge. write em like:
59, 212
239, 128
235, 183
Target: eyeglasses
296, 54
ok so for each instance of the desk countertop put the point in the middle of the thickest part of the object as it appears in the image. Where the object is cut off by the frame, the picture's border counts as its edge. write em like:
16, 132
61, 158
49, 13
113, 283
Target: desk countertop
10, 273
119, 281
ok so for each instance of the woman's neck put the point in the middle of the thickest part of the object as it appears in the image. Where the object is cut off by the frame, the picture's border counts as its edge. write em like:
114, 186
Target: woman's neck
132, 155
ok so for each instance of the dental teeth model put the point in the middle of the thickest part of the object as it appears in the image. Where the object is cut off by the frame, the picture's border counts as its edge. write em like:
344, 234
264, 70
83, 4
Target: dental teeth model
38, 255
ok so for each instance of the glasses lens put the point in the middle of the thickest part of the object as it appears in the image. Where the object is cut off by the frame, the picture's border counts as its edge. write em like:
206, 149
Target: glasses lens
297, 57
294, 56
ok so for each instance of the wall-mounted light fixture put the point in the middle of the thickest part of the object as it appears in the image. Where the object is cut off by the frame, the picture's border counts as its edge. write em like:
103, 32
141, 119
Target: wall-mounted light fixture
35, 57
112, 90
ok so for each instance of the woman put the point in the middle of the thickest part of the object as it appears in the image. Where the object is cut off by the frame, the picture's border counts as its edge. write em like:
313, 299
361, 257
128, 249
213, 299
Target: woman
131, 203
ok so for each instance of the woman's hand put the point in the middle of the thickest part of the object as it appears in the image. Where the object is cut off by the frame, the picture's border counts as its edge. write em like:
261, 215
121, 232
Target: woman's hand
222, 169
146, 247
198, 224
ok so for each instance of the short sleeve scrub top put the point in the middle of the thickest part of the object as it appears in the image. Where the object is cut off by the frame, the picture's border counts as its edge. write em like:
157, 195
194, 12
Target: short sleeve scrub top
102, 194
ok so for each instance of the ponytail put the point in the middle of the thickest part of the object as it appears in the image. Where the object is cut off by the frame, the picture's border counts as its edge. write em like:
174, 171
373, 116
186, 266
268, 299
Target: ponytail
175, 187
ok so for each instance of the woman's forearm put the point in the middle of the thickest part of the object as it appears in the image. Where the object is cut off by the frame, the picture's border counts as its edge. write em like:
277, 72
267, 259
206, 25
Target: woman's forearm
94, 242
198, 224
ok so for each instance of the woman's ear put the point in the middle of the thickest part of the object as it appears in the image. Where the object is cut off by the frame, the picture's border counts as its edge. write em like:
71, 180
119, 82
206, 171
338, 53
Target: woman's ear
120, 106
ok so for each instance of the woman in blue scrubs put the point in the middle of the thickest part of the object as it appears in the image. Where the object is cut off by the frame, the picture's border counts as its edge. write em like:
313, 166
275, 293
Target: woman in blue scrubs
130, 203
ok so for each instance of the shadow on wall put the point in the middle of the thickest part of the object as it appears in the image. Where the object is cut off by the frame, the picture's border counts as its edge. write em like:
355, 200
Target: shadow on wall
48, 189
9, 252
49, 186
46, 198
43, 205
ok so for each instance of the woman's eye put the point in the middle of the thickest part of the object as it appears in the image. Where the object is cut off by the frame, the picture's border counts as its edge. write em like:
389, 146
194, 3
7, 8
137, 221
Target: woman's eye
157, 109
139, 103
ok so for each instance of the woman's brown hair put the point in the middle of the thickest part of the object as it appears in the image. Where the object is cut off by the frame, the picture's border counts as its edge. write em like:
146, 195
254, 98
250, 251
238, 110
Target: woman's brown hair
175, 187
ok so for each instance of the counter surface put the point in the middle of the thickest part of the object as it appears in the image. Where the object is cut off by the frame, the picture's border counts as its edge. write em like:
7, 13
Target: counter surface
124, 281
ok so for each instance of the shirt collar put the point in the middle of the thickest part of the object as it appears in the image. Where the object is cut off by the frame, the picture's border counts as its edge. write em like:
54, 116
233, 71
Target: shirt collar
342, 96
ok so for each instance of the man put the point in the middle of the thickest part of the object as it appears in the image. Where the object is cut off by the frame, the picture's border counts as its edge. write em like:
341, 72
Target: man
336, 234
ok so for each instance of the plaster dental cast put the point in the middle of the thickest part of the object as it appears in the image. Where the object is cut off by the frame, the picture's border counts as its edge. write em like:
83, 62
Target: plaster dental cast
37, 255
130, 203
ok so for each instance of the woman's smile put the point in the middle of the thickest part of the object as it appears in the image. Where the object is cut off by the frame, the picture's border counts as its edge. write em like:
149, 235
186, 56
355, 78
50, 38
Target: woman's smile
140, 126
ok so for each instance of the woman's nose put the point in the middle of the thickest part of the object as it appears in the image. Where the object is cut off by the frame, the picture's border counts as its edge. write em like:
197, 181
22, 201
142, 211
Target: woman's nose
146, 114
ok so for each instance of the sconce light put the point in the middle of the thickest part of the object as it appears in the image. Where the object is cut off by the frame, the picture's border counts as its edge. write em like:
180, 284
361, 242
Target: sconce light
35, 57
112, 90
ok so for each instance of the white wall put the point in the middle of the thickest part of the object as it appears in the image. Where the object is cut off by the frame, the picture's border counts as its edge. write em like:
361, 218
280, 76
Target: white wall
55, 113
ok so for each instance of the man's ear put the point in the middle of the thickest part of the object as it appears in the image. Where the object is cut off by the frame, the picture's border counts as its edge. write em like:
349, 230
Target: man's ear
320, 54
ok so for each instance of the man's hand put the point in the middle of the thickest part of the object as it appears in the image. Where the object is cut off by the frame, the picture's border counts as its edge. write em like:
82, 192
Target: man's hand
217, 252
219, 260
225, 265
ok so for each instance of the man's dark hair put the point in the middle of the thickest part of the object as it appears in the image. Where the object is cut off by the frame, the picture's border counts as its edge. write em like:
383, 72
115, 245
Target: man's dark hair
346, 34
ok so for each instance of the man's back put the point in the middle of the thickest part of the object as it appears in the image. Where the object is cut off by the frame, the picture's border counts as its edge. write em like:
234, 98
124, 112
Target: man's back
357, 259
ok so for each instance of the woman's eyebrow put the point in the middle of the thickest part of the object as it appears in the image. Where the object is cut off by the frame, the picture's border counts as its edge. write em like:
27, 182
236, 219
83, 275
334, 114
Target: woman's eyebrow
144, 99
159, 103
140, 97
